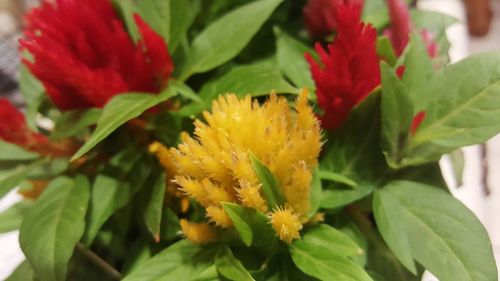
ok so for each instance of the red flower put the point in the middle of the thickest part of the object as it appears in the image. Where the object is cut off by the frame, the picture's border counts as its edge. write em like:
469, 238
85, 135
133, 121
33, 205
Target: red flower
13, 127
417, 120
320, 16
399, 32
84, 57
350, 69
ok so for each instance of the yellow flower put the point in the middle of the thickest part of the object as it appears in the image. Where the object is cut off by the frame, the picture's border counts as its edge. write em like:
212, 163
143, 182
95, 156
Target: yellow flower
200, 233
286, 224
215, 165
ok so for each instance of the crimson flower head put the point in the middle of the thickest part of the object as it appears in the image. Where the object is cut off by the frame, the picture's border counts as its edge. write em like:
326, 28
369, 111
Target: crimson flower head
84, 56
13, 127
349, 69
399, 32
320, 16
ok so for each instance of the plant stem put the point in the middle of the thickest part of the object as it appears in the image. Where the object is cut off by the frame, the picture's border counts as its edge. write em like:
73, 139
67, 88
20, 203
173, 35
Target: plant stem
99, 262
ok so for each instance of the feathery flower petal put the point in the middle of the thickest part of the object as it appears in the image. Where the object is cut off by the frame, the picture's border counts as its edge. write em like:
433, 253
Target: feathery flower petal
215, 166
349, 70
201, 233
320, 16
83, 55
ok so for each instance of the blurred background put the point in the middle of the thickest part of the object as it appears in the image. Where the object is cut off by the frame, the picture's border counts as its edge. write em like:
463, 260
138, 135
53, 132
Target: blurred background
478, 30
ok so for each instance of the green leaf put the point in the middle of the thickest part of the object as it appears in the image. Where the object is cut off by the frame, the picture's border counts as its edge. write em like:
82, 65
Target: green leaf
255, 79
336, 177
51, 229
12, 152
396, 116
184, 90
443, 235
457, 161
75, 121
127, 9
316, 193
252, 226
383, 205
419, 70
226, 37
323, 253
385, 50
230, 267
14, 177
335, 197
157, 15
291, 61
11, 218
154, 207
183, 17
181, 261
463, 110
118, 111
170, 225
33, 94
432, 21
270, 185
23, 272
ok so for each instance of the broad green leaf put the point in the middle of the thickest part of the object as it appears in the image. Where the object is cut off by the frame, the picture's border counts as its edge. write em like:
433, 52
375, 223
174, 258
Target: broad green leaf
316, 256
11, 152
75, 121
291, 61
181, 261
111, 193
170, 225
464, 109
334, 196
157, 14
419, 70
14, 177
396, 116
230, 267
184, 13
383, 205
335, 177
119, 110
127, 9
457, 162
331, 239
256, 79
316, 193
154, 207
139, 252
270, 185
54, 225
252, 226
11, 218
429, 173
226, 37
432, 21
23, 272
385, 50
184, 90
33, 94
442, 234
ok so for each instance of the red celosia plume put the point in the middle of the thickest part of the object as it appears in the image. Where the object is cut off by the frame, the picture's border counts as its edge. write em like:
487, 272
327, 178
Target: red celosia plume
13, 127
84, 57
349, 70
320, 16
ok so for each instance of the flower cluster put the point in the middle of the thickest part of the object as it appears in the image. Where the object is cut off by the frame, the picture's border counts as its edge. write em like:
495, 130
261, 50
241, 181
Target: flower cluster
320, 16
216, 165
349, 70
84, 56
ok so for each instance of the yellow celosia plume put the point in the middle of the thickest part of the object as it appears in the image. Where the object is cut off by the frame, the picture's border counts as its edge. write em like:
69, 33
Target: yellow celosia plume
215, 166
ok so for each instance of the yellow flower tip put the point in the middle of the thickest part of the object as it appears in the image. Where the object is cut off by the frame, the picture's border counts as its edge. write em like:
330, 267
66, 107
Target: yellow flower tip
184, 205
199, 233
249, 196
193, 188
286, 224
303, 98
218, 216
215, 194
317, 218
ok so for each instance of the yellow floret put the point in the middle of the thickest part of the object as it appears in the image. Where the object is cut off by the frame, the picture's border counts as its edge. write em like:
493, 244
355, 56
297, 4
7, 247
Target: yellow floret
200, 233
218, 216
286, 224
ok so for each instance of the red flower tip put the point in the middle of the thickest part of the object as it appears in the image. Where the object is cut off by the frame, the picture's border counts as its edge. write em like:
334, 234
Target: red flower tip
400, 25
400, 71
13, 127
417, 120
431, 45
320, 16
349, 70
84, 57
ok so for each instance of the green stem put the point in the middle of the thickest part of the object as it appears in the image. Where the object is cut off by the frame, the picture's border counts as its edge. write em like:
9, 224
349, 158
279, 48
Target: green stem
98, 261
